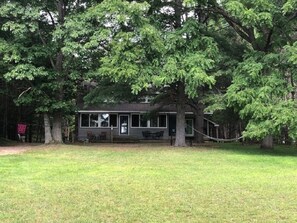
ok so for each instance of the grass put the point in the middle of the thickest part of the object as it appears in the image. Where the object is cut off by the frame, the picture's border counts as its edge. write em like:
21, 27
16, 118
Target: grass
145, 183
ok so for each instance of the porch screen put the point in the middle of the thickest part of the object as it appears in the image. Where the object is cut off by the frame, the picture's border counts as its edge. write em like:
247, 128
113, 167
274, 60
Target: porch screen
154, 122
103, 120
113, 120
94, 120
135, 120
143, 121
85, 120
189, 127
162, 120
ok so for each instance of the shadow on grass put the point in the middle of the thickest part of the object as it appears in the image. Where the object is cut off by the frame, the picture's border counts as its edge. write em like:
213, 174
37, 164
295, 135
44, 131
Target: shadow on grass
7, 142
279, 150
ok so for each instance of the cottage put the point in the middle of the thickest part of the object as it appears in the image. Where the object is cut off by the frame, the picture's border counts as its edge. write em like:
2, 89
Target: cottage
134, 121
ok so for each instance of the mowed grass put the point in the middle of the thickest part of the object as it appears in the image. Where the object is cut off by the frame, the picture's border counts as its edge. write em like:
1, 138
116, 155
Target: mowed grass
149, 183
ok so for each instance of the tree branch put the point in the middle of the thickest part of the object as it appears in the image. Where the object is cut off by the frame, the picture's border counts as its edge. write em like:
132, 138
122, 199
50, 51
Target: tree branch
24, 92
51, 16
244, 32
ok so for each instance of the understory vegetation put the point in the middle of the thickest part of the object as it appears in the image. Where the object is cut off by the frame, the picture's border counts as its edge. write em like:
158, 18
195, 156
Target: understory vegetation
149, 183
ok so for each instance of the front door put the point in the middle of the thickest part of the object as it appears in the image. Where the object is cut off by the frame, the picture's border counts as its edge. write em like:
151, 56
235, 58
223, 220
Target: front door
124, 124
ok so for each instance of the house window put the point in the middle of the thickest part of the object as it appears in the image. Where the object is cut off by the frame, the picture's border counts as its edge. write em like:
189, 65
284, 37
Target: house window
154, 122
135, 120
113, 120
189, 127
162, 121
143, 121
85, 120
94, 120
104, 120
98, 120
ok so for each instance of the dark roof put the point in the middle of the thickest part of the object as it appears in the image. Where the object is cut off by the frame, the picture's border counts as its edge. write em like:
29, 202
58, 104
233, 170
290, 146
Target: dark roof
130, 107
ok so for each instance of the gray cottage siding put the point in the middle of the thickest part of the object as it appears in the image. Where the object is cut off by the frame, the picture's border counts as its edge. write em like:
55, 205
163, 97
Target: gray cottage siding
145, 111
133, 132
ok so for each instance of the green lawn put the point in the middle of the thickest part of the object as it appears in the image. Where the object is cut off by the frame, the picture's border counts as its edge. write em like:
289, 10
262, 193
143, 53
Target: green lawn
149, 183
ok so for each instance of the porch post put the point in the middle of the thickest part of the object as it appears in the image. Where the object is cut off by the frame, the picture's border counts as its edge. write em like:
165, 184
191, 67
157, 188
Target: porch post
111, 133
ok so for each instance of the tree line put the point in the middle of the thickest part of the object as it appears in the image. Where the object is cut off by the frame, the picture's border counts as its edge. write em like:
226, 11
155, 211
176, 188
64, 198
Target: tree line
227, 55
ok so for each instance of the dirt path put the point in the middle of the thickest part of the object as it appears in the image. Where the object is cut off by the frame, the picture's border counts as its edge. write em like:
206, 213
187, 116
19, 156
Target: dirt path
9, 150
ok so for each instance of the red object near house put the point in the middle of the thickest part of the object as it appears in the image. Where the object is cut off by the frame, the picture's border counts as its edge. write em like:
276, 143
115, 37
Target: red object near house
22, 129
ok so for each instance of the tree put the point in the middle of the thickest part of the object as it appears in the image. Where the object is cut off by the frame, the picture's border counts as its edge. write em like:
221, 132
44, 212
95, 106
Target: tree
159, 45
32, 50
264, 81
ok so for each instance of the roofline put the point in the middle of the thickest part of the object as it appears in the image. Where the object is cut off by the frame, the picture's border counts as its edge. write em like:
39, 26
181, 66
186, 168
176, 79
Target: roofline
108, 111
215, 124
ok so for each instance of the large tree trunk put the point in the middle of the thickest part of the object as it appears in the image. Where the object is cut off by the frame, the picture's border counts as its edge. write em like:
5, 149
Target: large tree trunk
47, 130
180, 139
57, 116
199, 123
267, 142
57, 128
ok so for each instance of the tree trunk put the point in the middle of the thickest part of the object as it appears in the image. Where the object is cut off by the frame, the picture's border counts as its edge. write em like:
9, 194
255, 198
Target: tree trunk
47, 130
57, 128
267, 142
57, 116
225, 131
199, 123
180, 139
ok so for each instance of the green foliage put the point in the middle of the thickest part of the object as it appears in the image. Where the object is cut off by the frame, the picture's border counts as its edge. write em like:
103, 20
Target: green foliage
20, 14
291, 53
25, 71
110, 92
289, 6
144, 54
31, 45
262, 95
252, 13
263, 82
